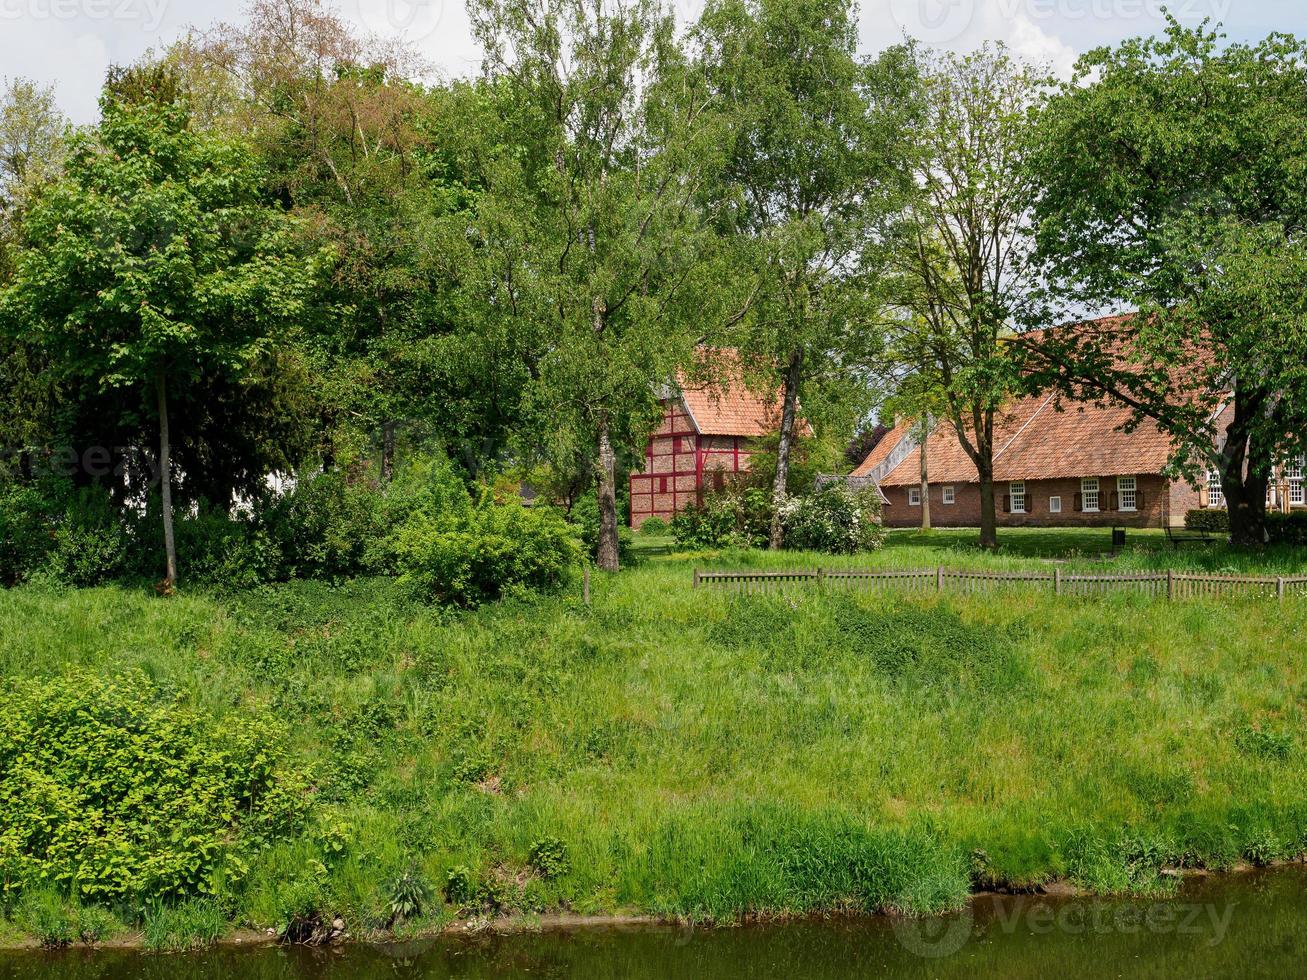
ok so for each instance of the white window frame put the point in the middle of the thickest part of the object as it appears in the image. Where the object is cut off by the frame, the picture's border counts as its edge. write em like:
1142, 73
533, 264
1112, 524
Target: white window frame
949, 495
1055, 505
1127, 485
1017, 490
914, 496
1293, 475
1215, 494
1090, 486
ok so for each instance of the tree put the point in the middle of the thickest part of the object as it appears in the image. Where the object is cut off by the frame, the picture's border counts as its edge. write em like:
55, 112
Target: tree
589, 234
32, 145
965, 269
918, 398
152, 266
1172, 183
816, 155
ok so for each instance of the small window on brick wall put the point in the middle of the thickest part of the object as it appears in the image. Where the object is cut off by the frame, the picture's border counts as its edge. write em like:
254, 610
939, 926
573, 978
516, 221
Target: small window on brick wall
950, 495
1055, 505
914, 496
1017, 492
1089, 494
1127, 493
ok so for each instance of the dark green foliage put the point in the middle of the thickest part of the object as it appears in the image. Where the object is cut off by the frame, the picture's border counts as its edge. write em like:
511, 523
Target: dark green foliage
479, 552
409, 894
460, 886
1217, 521
548, 858
112, 791
1281, 528
25, 532
327, 526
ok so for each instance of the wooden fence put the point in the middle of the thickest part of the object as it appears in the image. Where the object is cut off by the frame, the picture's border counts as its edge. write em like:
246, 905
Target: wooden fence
1160, 585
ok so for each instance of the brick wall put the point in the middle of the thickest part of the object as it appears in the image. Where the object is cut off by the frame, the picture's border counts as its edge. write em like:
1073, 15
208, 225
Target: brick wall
1154, 504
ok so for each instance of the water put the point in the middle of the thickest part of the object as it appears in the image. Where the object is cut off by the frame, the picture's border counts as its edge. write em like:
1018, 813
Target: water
1247, 926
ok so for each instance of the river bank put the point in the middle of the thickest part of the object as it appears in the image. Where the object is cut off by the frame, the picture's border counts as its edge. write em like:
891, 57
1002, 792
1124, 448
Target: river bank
678, 755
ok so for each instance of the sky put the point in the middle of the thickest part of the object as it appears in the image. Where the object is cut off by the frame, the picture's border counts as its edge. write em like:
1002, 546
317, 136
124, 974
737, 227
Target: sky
71, 43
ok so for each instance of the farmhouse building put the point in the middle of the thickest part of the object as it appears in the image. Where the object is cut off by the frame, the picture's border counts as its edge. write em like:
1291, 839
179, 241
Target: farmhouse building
708, 432
1056, 463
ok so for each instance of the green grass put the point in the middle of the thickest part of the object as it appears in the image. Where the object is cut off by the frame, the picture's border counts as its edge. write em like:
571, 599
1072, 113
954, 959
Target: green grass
710, 756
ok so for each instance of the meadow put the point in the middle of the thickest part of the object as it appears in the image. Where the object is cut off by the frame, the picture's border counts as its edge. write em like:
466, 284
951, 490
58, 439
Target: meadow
697, 755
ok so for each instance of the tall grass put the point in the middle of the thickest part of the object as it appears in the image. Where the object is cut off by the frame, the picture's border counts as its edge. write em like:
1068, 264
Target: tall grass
712, 757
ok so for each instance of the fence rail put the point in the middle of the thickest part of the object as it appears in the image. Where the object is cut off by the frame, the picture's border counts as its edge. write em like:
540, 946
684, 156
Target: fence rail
1160, 585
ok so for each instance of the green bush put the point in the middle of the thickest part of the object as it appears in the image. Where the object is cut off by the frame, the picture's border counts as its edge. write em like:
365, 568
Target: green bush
1288, 529
44, 914
733, 517
548, 858
26, 534
836, 519
327, 526
112, 792
93, 541
478, 553
231, 552
654, 527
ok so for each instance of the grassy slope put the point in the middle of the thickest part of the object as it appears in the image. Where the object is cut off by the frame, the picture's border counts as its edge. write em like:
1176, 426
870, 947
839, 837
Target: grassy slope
710, 756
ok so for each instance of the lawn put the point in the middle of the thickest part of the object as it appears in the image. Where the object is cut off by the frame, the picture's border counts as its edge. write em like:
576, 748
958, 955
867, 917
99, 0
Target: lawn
696, 754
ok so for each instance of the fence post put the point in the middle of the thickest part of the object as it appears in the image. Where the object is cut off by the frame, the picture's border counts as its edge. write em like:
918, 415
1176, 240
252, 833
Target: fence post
1057, 580
696, 578
585, 583
939, 579
1170, 583
821, 578
1279, 588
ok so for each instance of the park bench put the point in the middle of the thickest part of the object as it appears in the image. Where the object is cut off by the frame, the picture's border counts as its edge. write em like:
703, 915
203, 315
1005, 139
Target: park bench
1186, 535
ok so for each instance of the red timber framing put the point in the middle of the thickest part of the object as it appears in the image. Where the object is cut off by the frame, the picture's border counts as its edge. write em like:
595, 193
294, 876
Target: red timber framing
680, 463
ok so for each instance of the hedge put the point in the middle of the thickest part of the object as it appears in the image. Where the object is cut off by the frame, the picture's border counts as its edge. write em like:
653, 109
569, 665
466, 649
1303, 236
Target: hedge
1280, 528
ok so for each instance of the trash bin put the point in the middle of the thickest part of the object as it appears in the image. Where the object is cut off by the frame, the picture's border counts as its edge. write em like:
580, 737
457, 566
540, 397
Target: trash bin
1118, 539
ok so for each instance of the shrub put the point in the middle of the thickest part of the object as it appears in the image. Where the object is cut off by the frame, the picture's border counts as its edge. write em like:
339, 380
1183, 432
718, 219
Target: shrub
836, 519
548, 858
1288, 529
476, 554
108, 789
226, 551
733, 517
44, 914
92, 541
460, 886
655, 527
26, 536
409, 894
328, 526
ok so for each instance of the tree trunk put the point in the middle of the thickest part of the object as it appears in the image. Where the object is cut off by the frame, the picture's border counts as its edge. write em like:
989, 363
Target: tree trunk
165, 482
387, 451
925, 473
608, 557
1245, 492
789, 410
985, 470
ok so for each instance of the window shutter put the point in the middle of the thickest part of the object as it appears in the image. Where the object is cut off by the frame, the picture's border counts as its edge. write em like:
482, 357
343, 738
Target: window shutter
1114, 503
1007, 504
1139, 500
1079, 501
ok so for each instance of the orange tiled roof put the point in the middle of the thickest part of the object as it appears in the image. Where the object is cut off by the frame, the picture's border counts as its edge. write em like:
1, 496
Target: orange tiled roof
726, 405
1036, 438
